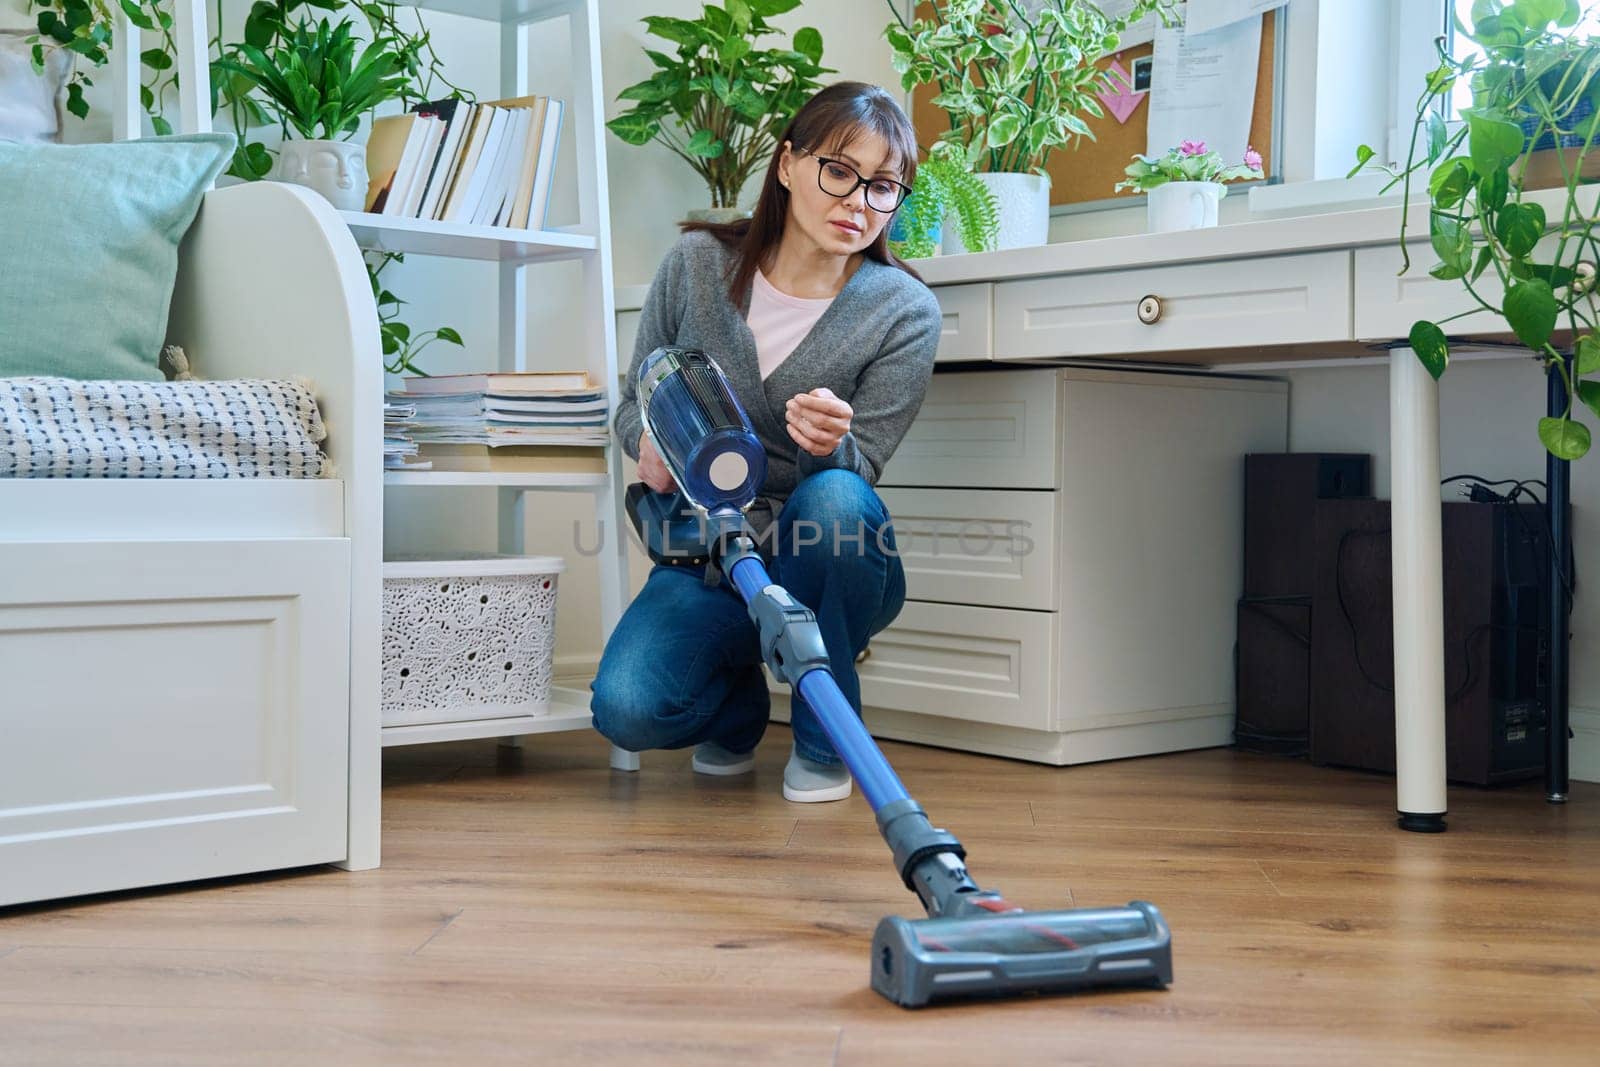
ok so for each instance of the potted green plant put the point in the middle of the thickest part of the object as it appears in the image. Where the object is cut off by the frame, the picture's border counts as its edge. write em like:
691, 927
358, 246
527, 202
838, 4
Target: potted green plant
267, 25
1485, 222
945, 188
1184, 186
1017, 81
320, 90
720, 102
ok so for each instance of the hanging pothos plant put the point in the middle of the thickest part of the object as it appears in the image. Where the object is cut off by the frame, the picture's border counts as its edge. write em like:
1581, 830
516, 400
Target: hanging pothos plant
86, 29
400, 345
1535, 82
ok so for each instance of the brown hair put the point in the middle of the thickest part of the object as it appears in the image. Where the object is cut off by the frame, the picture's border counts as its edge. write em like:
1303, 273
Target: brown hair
827, 122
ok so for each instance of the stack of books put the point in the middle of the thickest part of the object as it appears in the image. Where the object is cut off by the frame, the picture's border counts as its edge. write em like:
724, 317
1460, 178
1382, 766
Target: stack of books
525, 421
398, 447
487, 164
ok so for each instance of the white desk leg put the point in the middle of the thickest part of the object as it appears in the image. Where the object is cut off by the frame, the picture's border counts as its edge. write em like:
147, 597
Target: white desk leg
1418, 594
623, 760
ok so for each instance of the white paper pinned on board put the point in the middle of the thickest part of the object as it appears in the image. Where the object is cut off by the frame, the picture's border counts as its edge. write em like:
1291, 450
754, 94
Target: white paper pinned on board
1203, 88
1203, 16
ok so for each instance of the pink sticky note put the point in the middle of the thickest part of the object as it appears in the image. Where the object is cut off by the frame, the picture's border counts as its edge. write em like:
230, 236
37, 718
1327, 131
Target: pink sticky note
1119, 97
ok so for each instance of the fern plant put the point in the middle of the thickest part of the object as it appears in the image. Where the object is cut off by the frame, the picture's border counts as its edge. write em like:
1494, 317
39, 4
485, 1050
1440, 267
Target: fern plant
945, 186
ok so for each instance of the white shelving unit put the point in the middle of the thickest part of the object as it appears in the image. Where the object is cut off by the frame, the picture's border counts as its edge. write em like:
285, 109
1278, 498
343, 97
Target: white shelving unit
495, 243
514, 481
587, 242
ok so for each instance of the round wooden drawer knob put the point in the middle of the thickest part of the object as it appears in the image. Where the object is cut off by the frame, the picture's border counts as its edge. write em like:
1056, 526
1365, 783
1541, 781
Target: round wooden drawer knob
1150, 310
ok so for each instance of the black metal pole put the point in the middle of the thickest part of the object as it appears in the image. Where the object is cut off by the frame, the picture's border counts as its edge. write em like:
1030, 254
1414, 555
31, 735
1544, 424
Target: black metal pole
1558, 482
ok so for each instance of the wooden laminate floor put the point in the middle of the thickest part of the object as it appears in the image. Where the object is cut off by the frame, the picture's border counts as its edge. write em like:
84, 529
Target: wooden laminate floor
536, 907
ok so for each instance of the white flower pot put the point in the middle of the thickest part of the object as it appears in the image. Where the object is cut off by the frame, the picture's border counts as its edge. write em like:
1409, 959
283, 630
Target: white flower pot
717, 214
1182, 206
336, 169
1024, 203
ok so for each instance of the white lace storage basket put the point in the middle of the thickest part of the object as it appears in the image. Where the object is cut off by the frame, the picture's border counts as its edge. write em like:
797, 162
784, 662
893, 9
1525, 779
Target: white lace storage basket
468, 639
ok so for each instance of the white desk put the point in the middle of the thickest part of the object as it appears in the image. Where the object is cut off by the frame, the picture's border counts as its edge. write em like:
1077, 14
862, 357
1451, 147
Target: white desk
1250, 295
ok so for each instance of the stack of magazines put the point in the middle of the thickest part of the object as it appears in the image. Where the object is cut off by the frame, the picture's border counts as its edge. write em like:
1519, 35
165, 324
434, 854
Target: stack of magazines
523, 421
398, 447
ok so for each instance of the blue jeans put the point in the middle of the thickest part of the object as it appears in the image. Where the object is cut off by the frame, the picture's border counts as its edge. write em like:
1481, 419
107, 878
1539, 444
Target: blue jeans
683, 665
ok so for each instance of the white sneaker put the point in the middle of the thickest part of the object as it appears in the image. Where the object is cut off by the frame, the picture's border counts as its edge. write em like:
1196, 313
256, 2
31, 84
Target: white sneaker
712, 758
808, 782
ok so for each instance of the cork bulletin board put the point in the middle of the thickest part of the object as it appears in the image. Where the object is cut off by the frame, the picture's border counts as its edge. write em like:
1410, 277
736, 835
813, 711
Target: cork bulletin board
1087, 173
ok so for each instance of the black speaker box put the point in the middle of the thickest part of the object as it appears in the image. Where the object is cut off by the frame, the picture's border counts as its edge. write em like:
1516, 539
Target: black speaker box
1281, 491
1273, 655
1495, 639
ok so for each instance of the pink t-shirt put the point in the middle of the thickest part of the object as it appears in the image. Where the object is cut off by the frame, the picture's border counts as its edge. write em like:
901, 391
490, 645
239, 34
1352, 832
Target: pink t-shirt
779, 322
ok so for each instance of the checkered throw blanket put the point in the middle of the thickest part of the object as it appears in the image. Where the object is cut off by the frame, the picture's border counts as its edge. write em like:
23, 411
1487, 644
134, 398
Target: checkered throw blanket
61, 428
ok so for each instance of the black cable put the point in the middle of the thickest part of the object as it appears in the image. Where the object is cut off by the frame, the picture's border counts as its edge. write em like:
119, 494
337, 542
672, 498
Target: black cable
1567, 568
1482, 481
1344, 608
1254, 602
1466, 654
1485, 481
1292, 745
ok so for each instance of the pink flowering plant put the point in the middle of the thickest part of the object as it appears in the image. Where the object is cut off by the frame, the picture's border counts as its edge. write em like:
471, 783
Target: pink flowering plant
1189, 162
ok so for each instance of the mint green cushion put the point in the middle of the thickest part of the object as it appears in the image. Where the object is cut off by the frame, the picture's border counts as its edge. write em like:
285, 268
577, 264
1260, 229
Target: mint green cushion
90, 250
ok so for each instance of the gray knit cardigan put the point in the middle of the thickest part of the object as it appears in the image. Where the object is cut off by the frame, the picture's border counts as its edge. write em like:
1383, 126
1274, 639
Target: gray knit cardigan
873, 347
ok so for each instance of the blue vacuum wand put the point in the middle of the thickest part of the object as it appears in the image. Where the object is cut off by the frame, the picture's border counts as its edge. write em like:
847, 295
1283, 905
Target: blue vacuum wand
973, 942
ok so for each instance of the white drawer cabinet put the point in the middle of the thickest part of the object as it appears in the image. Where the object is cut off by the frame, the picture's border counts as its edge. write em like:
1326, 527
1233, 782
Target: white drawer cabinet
990, 548
968, 322
974, 664
1107, 630
994, 429
969, 664
1192, 307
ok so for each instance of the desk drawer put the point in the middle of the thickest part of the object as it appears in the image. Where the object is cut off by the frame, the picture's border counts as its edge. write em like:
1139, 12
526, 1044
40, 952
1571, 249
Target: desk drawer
990, 429
1388, 302
967, 332
986, 665
990, 547
1293, 299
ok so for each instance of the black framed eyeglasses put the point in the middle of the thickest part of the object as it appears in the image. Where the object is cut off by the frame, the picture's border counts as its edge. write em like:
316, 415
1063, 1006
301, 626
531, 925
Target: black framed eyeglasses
840, 179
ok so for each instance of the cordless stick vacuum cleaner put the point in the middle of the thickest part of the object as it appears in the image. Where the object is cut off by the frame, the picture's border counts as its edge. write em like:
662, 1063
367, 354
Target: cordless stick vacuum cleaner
973, 943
